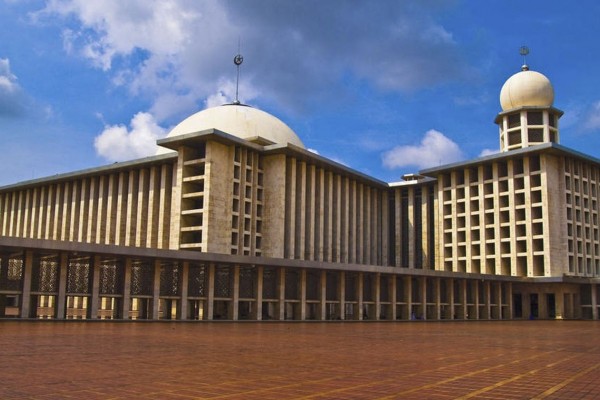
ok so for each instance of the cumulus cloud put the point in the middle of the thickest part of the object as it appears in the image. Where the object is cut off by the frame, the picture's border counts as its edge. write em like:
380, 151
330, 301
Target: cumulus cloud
294, 51
435, 149
11, 95
488, 152
592, 120
118, 143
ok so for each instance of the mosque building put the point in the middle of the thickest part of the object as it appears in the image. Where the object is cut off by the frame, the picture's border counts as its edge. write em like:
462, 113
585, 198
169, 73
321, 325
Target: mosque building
235, 219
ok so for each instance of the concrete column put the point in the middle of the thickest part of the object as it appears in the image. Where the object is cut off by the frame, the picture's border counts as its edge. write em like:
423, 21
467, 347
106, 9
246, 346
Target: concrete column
499, 299
408, 294
438, 301
126, 304
62, 286
360, 289
259, 292
27, 274
156, 291
182, 310
95, 301
594, 301
302, 294
450, 289
509, 300
463, 298
281, 276
210, 306
559, 303
3, 278
377, 296
476, 299
323, 296
411, 229
393, 305
423, 290
342, 294
488, 299
235, 303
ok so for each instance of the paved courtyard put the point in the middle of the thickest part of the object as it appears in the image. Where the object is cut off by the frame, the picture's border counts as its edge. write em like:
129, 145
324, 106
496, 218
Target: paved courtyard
418, 360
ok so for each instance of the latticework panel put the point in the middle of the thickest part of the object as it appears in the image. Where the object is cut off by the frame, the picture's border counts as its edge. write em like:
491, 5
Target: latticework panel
170, 279
332, 286
270, 283
350, 286
313, 285
292, 278
367, 287
223, 281
45, 275
78, 276
247, 279
142, 278
11, 273
384, 285
197, 280
111, 277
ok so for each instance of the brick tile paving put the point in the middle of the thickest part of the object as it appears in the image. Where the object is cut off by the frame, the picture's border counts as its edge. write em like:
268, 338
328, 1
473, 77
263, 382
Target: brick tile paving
278, 361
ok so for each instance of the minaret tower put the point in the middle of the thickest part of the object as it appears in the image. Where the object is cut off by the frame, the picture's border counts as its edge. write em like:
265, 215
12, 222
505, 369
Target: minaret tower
528, 117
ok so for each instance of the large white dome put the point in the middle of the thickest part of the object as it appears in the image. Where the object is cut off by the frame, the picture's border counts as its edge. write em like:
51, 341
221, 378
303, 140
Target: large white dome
239, 120
526, 89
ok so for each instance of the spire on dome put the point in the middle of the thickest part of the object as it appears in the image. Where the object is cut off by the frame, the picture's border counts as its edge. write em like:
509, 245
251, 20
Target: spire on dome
237, 60
524, 50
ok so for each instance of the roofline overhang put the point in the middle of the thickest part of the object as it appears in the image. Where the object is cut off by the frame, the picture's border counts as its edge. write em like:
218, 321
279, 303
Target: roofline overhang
95, 171
289, 149
552, 148
554, 110
18, 245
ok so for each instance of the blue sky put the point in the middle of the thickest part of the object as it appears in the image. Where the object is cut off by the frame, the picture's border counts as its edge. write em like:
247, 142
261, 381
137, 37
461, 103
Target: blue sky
385, 87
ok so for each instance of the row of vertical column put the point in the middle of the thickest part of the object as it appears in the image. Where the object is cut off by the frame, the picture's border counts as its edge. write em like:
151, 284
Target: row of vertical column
332, 217
279, 293
129, 207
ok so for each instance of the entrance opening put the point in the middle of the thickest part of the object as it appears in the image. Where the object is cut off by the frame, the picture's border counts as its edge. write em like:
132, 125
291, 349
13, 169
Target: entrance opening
517, 305
551, 304
533, 301
140, 308
196, 310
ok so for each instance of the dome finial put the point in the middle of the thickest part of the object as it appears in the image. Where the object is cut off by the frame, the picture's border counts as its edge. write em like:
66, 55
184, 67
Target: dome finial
524, 50
238, 60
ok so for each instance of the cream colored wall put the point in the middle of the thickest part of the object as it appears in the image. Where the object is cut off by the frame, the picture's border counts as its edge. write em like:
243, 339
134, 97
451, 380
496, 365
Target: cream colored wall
218, 198
332, 217
127, 207
274, 206
556, 260
582, 195
494, 218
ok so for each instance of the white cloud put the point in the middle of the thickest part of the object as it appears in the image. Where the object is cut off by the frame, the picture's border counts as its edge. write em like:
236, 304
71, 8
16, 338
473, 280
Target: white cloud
592, 120
11, 96
488, 152
435, 149
296, 50
117, 143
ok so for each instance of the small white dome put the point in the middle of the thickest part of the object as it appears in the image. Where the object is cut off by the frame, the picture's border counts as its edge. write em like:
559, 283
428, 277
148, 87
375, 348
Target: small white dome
239, 120
526, 89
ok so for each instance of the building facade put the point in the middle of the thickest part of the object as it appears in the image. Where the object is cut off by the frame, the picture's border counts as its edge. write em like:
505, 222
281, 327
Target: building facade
234, 219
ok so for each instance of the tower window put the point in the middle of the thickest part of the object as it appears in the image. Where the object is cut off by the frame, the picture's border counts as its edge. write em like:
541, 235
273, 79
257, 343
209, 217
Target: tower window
536, 135
514, 138
514, 120
535, 118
